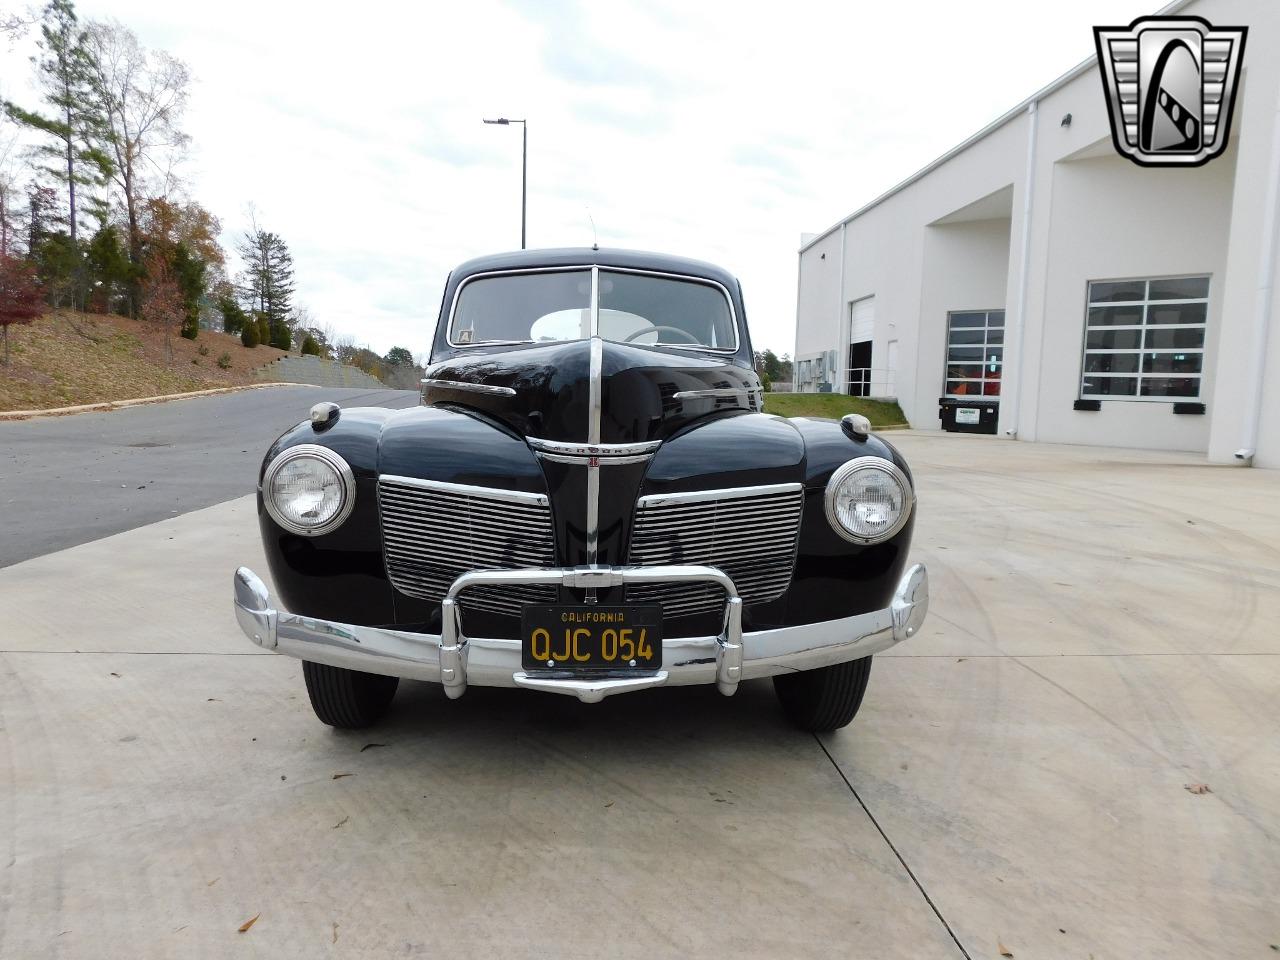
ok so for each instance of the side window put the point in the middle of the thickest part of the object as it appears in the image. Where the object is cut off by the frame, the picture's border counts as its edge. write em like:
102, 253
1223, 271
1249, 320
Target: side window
1144, 339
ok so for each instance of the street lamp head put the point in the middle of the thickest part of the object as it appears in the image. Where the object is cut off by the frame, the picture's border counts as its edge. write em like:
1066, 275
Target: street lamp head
503, 121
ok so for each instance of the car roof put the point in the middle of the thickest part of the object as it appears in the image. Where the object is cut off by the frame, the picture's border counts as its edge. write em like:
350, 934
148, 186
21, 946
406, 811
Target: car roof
589, 256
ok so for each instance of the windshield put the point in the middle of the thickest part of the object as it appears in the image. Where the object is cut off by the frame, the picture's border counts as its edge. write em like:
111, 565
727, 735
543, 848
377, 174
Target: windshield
633, 308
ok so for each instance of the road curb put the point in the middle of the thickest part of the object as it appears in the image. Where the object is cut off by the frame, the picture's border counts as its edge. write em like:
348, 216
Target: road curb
106, 405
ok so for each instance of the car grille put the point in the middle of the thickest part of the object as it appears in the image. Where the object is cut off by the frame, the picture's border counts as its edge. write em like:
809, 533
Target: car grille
749, 533
433, 532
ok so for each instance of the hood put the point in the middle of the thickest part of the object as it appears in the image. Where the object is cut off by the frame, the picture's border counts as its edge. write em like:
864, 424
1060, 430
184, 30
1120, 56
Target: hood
544, 391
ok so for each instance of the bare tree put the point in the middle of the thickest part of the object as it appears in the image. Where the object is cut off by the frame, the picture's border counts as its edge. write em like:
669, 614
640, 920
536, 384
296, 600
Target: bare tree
141, 95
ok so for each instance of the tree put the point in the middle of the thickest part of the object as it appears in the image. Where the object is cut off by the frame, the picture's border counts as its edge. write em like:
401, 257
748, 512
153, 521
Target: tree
109, 268
160, 301
188, 271
267, 281
140, 96
21, 298
310, 347
72, 126
249, 333
399, 357
234, 319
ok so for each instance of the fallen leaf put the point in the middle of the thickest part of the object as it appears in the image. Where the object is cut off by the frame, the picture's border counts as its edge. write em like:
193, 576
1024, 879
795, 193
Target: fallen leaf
961, 659
212, 700
244, 927
213, 881
1004, 951
335, 932
114, 674
609, 804
339, 776
342, 821
283, 777
1196, 788
370, 746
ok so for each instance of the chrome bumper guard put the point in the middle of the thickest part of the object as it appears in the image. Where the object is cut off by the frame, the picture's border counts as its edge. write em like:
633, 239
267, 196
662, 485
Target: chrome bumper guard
455, 660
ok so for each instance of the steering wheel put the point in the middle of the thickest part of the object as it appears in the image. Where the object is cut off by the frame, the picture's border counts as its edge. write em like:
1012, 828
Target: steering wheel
656, 327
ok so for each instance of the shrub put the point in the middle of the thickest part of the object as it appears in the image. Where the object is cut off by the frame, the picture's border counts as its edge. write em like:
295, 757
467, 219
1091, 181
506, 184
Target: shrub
264, 328
249, 335
767, 383
281, 338
224, 361
310, 348
203, 349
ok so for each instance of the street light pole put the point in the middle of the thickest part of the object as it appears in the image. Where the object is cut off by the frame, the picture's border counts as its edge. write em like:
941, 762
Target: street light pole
524, 171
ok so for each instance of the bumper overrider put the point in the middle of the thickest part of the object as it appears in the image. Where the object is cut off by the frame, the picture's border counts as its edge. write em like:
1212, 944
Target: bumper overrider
455, 660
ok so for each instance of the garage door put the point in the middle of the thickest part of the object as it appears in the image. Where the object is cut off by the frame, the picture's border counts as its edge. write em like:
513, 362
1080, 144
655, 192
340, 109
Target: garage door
862, 319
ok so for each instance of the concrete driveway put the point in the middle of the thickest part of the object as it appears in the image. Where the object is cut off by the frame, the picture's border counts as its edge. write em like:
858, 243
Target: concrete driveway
1103, 634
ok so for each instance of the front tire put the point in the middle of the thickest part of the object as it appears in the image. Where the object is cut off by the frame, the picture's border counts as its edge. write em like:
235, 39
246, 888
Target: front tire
347, 699
824, 699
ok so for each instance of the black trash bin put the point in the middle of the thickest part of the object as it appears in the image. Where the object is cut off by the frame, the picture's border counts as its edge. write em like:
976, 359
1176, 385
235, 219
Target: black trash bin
973, 415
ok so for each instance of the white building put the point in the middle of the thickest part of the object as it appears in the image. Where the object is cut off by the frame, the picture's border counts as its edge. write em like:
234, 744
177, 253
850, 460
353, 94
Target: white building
973, 279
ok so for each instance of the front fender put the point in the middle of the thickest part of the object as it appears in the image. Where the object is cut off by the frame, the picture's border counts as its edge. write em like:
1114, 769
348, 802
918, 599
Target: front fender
338, 575
834, 577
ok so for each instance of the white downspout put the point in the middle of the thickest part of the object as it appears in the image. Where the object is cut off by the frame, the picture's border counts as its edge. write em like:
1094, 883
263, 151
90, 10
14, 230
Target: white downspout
1262, 302
842, 347
1024, 267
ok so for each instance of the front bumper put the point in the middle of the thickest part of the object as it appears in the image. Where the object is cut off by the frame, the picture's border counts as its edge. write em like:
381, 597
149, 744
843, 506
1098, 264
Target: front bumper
455, 660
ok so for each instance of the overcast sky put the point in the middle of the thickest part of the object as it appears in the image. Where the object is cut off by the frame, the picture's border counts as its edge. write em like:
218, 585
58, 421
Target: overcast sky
718, 131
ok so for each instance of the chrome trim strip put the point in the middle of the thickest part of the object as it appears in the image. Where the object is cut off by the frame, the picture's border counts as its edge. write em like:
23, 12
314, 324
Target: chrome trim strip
585, 461
726, 493
594, 414
315, 452
466, 489
456, 660
473, 387
593, 510
716, 392
572, 449
594, 391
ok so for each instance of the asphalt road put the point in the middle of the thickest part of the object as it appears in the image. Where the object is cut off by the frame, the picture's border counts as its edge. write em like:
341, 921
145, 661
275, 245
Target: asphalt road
70, 480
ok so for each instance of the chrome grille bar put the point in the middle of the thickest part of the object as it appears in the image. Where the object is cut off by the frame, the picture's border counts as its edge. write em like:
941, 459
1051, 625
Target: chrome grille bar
434, 532
748, 532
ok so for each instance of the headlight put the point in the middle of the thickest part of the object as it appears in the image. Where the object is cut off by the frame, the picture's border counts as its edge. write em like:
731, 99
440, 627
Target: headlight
308, 489
868, 500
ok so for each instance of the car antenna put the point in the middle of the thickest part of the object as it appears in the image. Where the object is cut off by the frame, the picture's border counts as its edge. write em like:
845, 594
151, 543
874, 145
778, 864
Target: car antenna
595, 241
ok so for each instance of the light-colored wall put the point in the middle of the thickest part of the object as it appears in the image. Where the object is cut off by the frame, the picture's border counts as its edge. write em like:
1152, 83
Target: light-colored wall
965, 268
1256, 119
1094, 216
1113, 220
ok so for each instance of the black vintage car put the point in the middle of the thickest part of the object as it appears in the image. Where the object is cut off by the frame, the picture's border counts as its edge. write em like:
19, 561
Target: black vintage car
589, 501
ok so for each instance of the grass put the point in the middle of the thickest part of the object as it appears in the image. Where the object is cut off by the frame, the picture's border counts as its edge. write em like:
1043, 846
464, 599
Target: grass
64, 359
881, 413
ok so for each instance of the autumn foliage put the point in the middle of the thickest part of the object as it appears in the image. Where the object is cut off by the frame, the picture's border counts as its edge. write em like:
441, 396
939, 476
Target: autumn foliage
21, 295
161, 302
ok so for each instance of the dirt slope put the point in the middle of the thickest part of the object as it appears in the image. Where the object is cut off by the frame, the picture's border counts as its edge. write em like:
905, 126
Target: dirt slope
68, 358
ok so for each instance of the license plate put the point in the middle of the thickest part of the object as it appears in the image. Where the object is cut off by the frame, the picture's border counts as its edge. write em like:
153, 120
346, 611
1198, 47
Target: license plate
591, 637
967, 415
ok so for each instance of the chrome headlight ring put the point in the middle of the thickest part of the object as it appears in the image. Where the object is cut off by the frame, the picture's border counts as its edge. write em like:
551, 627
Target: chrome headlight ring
845, 475
341, 475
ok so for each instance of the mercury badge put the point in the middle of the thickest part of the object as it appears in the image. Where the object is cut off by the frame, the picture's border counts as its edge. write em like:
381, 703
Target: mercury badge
1171, 86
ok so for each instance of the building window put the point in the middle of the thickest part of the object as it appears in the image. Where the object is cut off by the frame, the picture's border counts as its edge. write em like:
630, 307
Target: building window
1144, 339
975, 353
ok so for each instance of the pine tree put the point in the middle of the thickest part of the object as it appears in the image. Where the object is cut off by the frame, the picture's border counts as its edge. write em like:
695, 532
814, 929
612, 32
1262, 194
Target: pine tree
72, 125
267, 281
